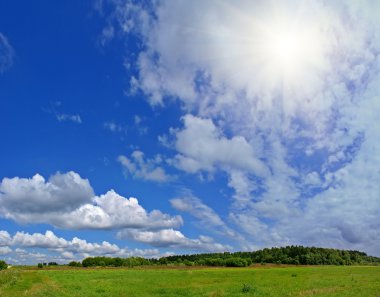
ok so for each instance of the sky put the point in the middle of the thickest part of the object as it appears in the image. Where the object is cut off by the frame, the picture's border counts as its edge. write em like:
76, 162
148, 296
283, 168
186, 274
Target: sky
152, 128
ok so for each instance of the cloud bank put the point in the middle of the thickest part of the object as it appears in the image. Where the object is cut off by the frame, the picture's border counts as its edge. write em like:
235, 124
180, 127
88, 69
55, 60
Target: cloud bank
67, 201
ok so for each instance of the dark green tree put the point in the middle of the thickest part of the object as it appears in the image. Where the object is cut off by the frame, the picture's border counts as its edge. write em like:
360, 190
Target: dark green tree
3, 265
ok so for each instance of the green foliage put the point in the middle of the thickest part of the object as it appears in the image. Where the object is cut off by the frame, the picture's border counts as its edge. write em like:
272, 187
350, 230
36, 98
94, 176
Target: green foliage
3, 265
40, 265
294, 255
117, 262
74, 264
236, 262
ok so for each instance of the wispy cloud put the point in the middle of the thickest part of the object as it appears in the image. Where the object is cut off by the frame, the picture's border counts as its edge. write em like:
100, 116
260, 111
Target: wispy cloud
174, 239
114, 127
63, 117
6, 54
294, 151
147, 169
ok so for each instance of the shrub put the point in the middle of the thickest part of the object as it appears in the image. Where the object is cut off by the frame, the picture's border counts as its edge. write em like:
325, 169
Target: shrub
40, 265
102, 263
3, 265
236, 262
75, 264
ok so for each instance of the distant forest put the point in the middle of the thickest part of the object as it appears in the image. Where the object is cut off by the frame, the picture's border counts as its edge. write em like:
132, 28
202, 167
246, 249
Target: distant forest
295, 255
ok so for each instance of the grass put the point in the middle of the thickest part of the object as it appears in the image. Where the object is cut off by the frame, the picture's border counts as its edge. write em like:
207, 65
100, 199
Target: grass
259, 282
9, 278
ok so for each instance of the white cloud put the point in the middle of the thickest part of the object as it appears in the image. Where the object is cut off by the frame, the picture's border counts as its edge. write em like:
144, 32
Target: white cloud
63, 117
6, 54
68, 255
21, 198
53, 248
205, 215
68, 201
4, 250
198, 209
52, 242
113, 127
5, 238
107, 35
202, 146
174, 239
147, 169
39, 247
114, 211
302, 159
138, 123
47, 240
242, 185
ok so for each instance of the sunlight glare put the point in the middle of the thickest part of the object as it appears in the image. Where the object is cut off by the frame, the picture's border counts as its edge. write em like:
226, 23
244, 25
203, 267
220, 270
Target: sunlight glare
288, 51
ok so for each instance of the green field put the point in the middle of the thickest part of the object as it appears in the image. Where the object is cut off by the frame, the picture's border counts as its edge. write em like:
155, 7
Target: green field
258, 281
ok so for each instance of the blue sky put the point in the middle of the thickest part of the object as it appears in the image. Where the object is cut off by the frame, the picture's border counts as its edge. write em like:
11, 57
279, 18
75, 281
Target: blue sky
151, 128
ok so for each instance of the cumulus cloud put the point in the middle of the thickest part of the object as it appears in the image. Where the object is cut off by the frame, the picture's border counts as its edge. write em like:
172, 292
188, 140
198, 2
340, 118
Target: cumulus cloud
46, 247
5, 238
114, 211
300, 154
20, 197
68, 201
202, 146
52, 242
6, 54
4, 250
146, 169
174, 239
47, 240
53, 248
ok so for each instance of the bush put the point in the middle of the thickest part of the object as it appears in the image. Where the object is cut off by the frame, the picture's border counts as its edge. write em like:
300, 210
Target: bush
102, 263
3, 265
236, 262
40, 265
75, 264
188, 263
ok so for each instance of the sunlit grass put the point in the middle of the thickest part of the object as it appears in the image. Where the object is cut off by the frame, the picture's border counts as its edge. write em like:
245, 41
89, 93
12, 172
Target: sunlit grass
289, 281
9, 277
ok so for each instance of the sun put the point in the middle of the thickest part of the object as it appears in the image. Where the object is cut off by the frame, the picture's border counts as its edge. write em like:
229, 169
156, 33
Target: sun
287, 52
290, 50
285, 48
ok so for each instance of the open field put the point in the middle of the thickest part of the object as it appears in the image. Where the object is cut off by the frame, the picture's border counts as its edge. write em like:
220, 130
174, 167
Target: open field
342, 281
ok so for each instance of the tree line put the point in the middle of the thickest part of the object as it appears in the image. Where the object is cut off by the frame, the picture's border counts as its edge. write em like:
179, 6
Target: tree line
296, 255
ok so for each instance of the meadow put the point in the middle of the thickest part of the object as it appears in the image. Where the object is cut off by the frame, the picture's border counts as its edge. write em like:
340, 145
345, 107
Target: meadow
355, 281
